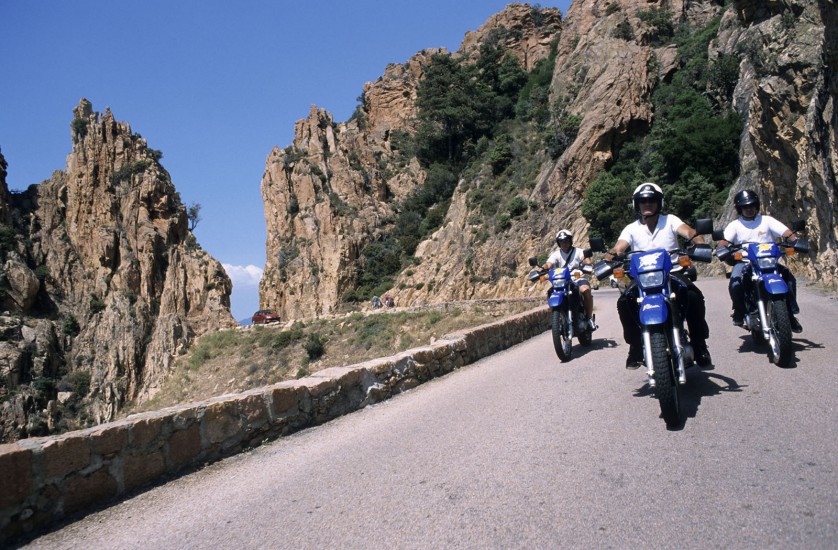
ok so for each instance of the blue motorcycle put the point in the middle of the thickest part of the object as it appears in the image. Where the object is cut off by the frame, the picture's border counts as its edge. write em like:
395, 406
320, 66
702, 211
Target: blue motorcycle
666, 349
567, 312
766, 297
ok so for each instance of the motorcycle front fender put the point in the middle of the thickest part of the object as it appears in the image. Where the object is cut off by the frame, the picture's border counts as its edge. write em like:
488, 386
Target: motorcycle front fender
555, 299
774, 284
653, 310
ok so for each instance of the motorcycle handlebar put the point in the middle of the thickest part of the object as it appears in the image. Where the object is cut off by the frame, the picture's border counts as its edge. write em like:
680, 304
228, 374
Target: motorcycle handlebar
700, 252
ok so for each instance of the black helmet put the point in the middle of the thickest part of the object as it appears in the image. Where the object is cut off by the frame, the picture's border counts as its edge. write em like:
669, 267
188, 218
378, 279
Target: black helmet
744, 198
564, 234
646, 190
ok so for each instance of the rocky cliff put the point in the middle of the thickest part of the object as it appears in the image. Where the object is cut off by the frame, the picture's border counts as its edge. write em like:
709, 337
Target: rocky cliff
786, 92
334, 189
330, 192
104, 283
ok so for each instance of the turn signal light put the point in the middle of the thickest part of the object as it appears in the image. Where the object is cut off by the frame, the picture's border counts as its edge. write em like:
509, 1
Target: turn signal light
737, 255
619, 273
684, 261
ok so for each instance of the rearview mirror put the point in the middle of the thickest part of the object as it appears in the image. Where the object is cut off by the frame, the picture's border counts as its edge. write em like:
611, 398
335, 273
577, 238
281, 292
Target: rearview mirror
799, 225
704, 226
533, 261
597, 244
718, 235
588, 253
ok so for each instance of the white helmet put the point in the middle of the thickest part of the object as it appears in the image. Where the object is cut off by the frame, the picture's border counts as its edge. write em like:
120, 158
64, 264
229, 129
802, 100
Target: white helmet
564, 234
646, 190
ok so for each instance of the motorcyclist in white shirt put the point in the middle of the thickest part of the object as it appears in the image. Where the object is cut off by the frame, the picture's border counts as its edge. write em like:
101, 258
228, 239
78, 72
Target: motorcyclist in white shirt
572, 257
753, 227
656, 230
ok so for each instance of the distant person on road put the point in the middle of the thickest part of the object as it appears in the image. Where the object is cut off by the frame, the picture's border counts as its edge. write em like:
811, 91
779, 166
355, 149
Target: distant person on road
572, 257
388, 301
376, 302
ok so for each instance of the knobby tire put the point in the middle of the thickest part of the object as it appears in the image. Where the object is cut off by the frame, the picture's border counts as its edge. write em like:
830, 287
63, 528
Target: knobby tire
562, 344
781, 323
666, 383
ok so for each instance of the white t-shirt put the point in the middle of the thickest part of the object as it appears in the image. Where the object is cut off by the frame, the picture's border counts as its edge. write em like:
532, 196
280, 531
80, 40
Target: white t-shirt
762, 229
573, 258
664, 236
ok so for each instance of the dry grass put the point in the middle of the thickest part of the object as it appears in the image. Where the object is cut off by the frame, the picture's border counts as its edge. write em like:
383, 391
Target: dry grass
232, 361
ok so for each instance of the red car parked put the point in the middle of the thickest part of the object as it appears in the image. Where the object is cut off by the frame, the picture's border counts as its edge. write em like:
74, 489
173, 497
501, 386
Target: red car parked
264, 316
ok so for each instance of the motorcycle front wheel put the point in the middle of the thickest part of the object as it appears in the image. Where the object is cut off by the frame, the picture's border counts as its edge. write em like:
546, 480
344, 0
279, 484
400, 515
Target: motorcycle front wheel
666, 382
561, 340
781, 327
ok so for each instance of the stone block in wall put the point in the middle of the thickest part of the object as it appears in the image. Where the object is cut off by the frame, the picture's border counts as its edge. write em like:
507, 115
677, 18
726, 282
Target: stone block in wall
253, 410
145, 431
81, 491
285, 400
423, 355
184, 447
15, 475
64, 455
352, 384
381, 369
318, 386
142, 469
406, 384
220, 423
110, 438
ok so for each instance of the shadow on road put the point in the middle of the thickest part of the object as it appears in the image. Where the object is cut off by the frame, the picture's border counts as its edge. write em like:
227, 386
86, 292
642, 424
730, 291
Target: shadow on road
700, 384
596, 344
798, 344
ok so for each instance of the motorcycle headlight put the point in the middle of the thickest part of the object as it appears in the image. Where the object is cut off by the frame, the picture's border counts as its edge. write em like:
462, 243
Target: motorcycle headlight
650, 279
559, 282
767, 263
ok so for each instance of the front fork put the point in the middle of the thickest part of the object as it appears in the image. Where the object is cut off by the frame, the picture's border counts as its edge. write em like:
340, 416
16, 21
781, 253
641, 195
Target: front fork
765, 324
683, 355
571, 305
768, 333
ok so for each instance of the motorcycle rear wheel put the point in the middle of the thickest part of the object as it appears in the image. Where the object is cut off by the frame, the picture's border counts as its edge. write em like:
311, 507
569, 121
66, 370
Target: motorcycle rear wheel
781, 326
561, 342
666, 383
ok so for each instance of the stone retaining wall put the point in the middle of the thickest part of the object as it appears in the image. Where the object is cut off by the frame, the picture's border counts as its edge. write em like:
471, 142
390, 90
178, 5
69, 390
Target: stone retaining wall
44, 480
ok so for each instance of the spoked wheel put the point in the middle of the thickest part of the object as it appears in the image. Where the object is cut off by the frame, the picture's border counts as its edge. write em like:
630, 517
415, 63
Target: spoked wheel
666, 382
781, 352
561, 335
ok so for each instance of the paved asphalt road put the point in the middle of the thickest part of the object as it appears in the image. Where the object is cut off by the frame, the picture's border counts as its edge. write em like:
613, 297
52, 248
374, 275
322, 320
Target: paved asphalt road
521, 451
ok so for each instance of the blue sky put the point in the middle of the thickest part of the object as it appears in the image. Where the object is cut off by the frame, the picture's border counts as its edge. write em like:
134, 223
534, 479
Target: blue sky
213, 85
